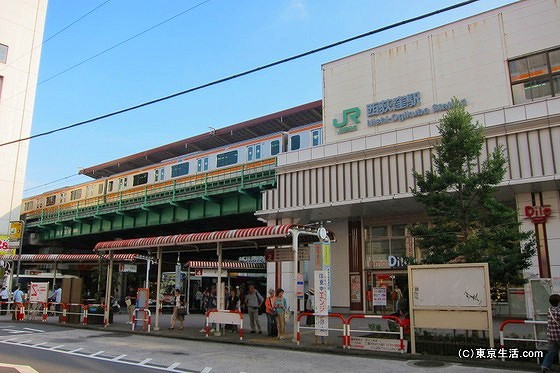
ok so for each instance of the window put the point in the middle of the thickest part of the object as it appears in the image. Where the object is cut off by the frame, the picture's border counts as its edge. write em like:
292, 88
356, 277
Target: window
76, 194
140, 179
316, 137
202, 164
250, 153
51, 200
296, 142
28, 206
180, 169
110, 187
122, 183
226, 159
253, 152
275, 147
3, 53
100, 189
535, 76
382, 241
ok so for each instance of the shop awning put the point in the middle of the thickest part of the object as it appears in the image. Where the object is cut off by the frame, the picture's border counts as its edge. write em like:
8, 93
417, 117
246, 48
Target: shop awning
278, 235
227, 265
71, 258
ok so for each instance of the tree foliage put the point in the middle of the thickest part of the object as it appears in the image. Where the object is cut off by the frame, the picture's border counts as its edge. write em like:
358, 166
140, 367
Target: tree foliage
467, 222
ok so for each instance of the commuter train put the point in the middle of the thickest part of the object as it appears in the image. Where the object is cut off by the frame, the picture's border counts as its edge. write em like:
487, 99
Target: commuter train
190, 168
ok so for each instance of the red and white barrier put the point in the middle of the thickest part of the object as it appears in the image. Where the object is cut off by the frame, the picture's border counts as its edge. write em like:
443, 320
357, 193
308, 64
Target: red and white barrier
383, 317
146, 320
534, 339
335, 315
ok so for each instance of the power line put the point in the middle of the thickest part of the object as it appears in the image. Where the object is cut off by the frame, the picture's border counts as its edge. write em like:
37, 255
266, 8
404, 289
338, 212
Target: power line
238, 75
51, 182
121, 43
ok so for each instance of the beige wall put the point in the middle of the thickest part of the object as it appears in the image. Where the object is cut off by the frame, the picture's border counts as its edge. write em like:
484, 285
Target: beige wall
465, 59
21, 29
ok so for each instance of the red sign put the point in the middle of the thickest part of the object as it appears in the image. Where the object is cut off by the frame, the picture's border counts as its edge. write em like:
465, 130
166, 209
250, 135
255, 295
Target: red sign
538, 214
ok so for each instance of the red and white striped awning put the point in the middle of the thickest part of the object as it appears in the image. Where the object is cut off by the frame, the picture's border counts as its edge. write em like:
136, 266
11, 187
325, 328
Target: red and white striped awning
234, 238
68, 258
206, 264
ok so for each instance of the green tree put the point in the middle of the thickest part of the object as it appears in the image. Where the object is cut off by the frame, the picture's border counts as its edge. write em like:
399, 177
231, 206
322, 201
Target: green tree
467, 222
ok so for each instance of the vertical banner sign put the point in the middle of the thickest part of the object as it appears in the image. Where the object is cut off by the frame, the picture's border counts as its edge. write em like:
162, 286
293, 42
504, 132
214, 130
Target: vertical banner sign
16, 229
178, 279
322, 303
5, 247
299, 290
380, 296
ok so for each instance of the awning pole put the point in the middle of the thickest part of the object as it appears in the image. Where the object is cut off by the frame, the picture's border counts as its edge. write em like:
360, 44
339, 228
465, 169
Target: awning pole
158, 287
220, 302
188, 289
108, 288
54, 275
295, 245
148, 262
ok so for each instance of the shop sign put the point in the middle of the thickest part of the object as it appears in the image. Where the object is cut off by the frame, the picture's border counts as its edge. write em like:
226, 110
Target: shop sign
286, 254
5, 246
349, 122
377, 344
389, 261
538, 214
380, 296
130, 268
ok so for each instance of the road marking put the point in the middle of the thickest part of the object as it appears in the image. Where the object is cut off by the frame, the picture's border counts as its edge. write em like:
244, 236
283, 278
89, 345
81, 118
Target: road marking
143, 362
40, 344
35, 330
56, 347
76, 350
118, 357
173, 366
97, 353
17, 331
206, 370
24, 342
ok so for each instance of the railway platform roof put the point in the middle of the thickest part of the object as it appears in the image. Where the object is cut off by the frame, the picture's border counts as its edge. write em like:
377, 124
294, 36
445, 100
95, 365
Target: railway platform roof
281, 121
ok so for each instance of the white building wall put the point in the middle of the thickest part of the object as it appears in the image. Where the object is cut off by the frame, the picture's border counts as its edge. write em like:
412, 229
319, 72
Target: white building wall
21, 29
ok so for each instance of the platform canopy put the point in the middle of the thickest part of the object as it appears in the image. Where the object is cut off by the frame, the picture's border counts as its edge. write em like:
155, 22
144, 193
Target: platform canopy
71, 258
276, 235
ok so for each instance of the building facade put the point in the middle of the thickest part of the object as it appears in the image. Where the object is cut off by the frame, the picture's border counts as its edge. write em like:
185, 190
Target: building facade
21, 36
381, 109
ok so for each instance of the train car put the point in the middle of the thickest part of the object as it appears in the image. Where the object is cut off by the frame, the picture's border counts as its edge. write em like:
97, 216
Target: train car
190, 169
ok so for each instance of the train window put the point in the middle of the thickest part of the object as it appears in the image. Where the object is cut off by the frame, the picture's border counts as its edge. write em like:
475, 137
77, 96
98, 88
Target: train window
258, 151
75, 194
121, 183
51, 200
250, 153
110, 187
28, 206
100, 189
295, 142
202, 164
125, 181
89, 190
180, 169
140, 179
226, 159
62, 197
159, 174
316, 136
274, 147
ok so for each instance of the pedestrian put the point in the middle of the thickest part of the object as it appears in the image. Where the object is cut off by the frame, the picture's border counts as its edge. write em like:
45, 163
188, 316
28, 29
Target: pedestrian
552, 333
4, 298
396, 295
18, 300
211, 305
233, 304
198, 299
271, 314
56, 297
281, 307
179, 310
310, 307
254, 301
130, 307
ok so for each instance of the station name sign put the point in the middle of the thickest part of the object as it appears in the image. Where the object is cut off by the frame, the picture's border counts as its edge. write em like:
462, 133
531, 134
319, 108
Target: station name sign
396, 109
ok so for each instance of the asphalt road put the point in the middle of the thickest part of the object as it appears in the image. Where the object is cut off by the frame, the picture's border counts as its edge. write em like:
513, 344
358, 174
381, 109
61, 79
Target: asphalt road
51, 348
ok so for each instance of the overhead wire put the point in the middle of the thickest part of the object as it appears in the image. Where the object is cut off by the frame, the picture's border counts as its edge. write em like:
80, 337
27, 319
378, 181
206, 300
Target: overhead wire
244, 73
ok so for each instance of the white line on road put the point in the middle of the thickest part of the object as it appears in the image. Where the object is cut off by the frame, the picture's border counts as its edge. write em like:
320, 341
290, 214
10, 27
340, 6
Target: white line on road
118, 357
143, 362
35, 330
206, 370
173, 366
56, 347
76, 350
97, 353
24, 342
40, 344
17, 331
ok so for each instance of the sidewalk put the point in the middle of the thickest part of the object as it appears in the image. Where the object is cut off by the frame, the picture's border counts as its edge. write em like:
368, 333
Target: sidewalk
333, 344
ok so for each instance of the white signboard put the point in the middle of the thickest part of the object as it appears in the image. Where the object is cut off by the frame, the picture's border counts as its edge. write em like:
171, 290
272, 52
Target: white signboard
380, 296
322, 303
38, 291
322, 326
131, 268
377, 344
299, 290
286, 254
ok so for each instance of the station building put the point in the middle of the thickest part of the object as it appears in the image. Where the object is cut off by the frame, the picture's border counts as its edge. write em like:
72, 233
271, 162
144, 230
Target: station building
380, 112
21, 37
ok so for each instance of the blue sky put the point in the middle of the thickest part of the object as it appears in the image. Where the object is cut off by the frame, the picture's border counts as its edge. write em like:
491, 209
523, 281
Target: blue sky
215, 39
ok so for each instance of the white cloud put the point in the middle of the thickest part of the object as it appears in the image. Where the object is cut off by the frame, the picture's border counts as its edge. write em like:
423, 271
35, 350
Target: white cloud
295, 10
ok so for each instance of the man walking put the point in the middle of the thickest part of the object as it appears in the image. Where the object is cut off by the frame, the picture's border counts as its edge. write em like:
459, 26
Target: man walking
552, 333
254, 300
4, 297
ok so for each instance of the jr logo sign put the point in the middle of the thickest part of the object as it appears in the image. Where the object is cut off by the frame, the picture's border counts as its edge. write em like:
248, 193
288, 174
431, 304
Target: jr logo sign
349, 115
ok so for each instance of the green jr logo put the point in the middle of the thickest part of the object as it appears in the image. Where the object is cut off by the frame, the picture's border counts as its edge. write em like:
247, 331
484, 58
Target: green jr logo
353, 114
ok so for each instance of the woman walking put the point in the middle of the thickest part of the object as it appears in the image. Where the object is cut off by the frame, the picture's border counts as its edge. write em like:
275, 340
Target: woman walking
281, 307
178, 310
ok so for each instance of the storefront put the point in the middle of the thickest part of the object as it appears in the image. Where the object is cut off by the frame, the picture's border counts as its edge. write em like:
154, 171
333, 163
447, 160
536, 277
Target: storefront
381, 111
